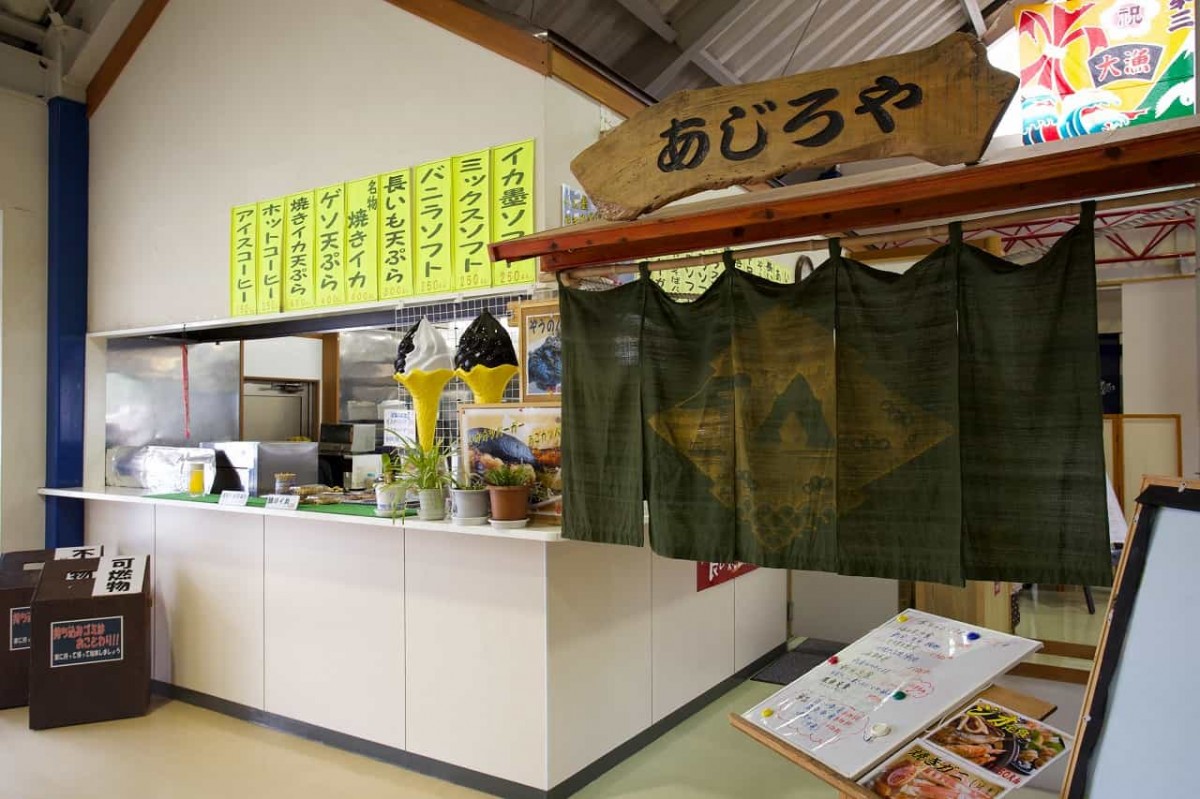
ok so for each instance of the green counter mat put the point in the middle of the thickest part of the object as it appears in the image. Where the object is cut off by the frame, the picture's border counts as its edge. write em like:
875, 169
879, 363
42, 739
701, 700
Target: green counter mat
258, 502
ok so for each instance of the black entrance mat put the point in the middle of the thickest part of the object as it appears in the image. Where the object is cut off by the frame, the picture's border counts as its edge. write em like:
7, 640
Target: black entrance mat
790, 665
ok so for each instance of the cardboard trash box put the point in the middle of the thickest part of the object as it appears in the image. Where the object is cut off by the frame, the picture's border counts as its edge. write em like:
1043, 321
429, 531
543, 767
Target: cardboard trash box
16, 594
19, 574
90, 656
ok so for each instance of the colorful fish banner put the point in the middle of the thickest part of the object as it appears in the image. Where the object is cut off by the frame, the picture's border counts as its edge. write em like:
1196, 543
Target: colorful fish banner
1094, 65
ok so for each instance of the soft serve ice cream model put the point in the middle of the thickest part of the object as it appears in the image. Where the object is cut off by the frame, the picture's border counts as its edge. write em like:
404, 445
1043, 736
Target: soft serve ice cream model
485, 359
423, 366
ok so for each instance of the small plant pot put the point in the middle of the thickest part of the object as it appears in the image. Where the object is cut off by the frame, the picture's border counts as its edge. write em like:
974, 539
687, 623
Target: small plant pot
433, 504
468, 504
509, 503
388, 498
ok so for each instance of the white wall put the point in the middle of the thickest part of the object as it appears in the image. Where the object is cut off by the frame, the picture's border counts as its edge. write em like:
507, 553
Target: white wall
840, 608
1158, 356
23, 198
231, 101
294, 358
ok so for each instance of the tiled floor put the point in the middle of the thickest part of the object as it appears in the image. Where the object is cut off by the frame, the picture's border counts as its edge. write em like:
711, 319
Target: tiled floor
182, 752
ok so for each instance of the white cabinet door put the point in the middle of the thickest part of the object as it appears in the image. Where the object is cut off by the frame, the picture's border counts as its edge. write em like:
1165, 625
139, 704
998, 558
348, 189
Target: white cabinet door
335, 626
208, 620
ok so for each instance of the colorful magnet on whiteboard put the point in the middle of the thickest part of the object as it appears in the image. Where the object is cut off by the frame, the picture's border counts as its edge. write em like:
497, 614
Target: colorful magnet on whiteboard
902, 618
833, 661
973, 636
898, 695
880, 730
767, 712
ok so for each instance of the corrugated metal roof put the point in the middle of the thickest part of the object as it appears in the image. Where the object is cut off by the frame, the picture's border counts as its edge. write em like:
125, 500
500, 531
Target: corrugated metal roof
760, 44
738, 41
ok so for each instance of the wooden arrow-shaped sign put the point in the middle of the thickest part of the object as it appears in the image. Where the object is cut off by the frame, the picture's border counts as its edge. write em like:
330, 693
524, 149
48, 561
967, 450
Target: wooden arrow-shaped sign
940, 104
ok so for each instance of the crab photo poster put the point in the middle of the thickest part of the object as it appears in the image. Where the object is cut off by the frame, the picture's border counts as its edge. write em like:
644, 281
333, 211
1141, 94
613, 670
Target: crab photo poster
1089, 66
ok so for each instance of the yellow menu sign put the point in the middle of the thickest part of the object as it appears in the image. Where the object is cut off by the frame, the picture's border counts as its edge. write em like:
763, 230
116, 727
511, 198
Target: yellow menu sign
242, 258
472, 221
270, 255
330, 217
395, 235
433, 239
299, 290
512, 207
362, 240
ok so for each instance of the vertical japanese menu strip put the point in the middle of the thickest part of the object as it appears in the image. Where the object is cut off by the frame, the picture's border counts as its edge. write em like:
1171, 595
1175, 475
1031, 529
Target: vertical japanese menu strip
242, 260
362, 240
395, 235
472, 220
299, 290
512, 207
271, 251
434, 238
330, 218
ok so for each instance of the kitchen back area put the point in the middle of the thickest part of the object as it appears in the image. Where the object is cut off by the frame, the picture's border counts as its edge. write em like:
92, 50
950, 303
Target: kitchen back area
310, 405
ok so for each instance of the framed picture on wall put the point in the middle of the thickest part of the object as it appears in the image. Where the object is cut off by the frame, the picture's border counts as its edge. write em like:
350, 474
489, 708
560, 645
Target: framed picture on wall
540, 351
528, 437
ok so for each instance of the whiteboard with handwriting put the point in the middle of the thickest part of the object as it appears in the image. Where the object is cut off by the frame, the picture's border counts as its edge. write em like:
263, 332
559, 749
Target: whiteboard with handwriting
887, 687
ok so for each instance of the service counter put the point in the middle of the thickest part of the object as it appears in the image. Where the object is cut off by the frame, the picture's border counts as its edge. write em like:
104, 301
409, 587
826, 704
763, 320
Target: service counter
507, 660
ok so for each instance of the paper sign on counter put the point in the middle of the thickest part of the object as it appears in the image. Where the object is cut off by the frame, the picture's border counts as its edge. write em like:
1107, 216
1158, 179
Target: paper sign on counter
236, 499
282, 502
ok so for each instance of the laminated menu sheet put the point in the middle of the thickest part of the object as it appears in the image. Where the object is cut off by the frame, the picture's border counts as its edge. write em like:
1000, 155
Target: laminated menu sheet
885, 688
983, 752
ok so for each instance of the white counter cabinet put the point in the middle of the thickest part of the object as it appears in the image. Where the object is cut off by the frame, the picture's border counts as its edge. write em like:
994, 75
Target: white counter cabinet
510, 663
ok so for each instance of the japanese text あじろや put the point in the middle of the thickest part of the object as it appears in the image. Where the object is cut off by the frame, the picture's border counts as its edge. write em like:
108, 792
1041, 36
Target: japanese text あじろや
814, 123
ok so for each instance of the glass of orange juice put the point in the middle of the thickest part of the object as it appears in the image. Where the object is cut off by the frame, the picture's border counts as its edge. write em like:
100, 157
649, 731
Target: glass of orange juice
196, 479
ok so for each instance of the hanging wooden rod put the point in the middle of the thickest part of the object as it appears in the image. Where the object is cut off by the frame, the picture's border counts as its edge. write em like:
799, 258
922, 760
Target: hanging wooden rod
1159, 155
927, 231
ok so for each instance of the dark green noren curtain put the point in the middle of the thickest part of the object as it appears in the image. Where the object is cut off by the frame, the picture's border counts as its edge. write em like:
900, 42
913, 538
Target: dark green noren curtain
939, 424
899, 503
785, 413
1032, 425
602, 413
687, 394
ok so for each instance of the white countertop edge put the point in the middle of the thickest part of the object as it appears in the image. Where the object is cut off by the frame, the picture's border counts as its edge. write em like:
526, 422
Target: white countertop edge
537, 532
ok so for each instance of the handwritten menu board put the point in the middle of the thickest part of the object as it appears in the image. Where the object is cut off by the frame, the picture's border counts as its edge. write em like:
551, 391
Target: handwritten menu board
885, 688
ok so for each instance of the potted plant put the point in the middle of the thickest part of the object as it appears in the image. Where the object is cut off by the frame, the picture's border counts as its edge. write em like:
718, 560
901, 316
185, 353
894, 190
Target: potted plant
469, 500
390, 490
508, 488
424, 471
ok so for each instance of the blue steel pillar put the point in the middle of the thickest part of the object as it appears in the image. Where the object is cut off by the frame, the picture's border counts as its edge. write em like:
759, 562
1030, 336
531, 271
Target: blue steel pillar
66, 316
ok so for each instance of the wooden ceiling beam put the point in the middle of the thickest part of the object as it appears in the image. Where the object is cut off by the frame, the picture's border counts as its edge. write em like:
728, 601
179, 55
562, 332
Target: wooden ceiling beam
1128, 160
